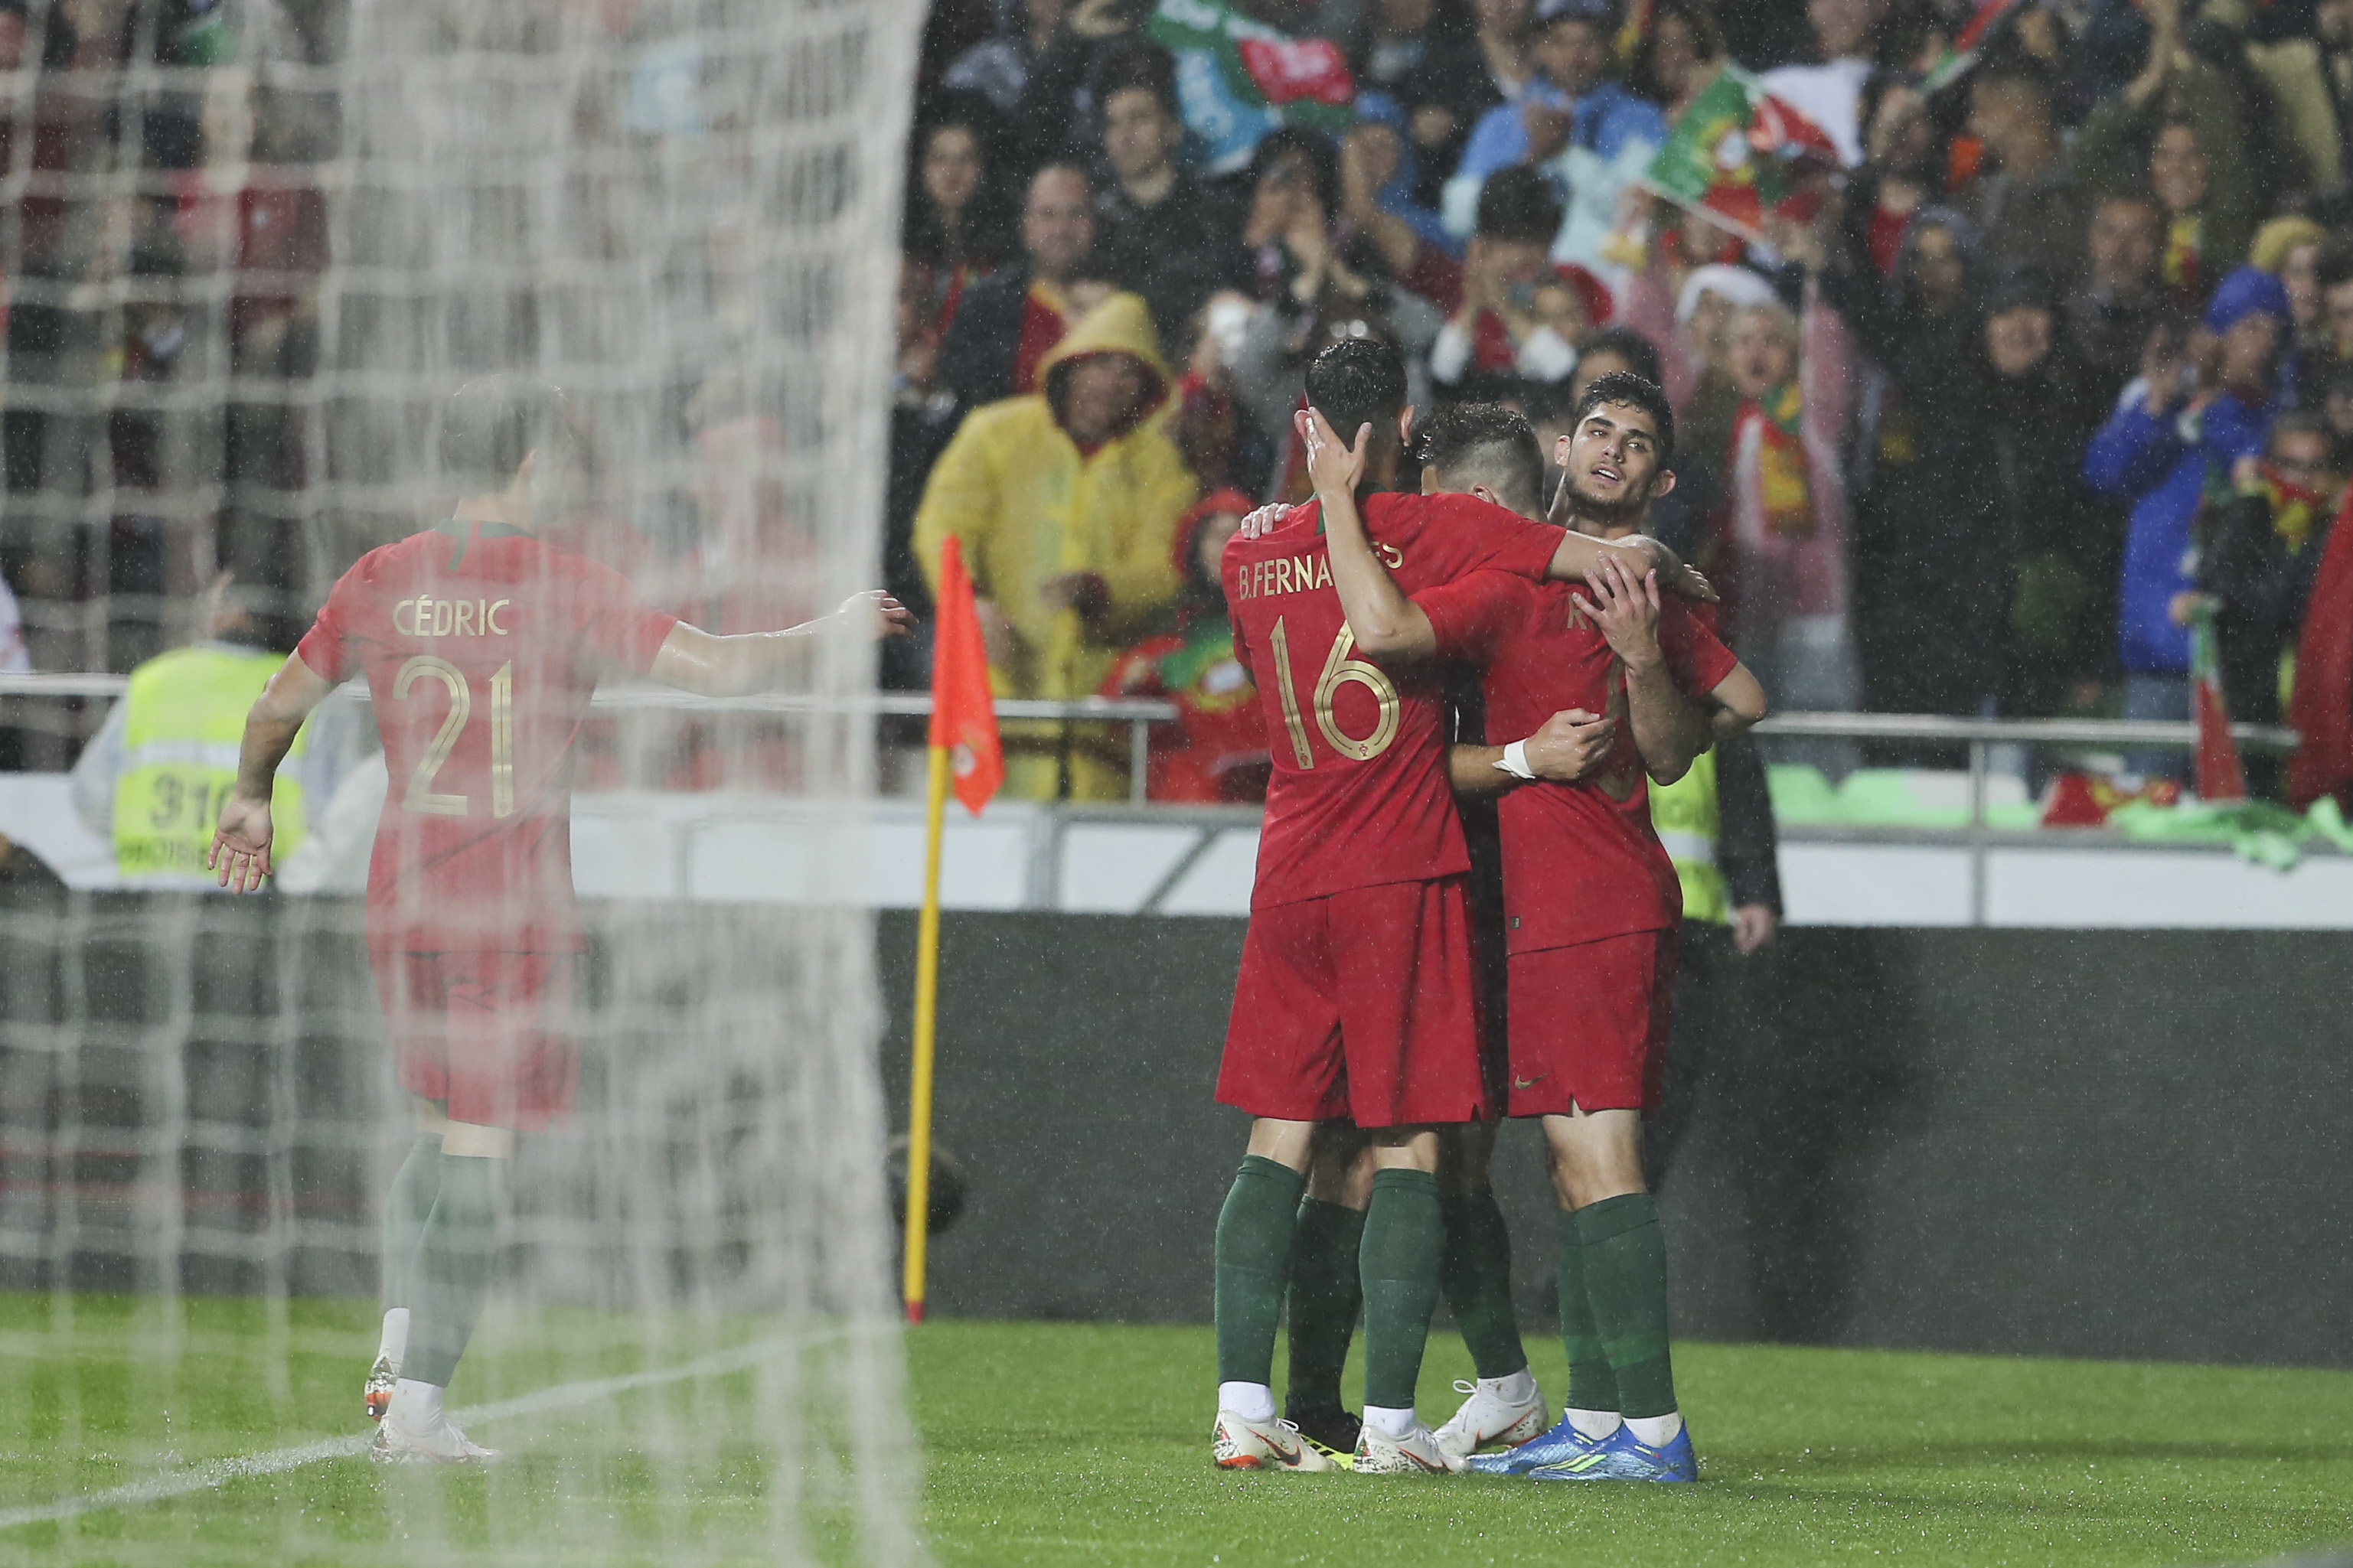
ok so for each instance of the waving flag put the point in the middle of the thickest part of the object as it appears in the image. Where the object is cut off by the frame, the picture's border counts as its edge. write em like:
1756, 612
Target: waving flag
1737, 153
2219, 776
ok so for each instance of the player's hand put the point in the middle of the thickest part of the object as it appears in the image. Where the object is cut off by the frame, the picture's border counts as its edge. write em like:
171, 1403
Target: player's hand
1626, 609
1333, 468
876, 614
240, 851
1754, 927
1263, 521
1569, 745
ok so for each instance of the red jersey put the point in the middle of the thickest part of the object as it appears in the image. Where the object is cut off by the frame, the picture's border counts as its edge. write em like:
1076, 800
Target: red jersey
1580, 861
1358, 797
482, 647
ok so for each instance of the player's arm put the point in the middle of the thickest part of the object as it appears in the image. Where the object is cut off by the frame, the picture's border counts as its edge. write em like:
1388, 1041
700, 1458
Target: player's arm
1565, 747
1670, 728
708, 665
239, 855
1580, 555
1386, 624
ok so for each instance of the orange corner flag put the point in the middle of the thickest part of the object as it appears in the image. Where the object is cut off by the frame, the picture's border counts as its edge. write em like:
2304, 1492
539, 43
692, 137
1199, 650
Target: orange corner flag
964, 713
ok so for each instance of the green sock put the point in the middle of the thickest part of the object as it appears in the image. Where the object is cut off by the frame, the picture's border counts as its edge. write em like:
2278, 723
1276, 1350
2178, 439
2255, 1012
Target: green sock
453, 1266
1626, 1279
405, 1206
1324, 1297
1253, 1255
1476, 1275
1404, 1239
1591, 1384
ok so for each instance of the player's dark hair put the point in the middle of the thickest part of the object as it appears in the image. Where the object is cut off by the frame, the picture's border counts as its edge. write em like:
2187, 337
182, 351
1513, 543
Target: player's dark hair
1629, 345
1518, 203
1483, 443
485, 429
1634, 391
1355, 382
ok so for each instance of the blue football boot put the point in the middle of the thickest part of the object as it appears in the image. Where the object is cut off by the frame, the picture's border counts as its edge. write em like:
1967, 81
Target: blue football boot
1562, 1445
1622, 1456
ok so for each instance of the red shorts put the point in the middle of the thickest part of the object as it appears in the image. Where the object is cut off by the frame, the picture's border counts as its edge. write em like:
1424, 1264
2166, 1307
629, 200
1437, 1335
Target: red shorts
1357, 1004
1589, 1024
489, 1033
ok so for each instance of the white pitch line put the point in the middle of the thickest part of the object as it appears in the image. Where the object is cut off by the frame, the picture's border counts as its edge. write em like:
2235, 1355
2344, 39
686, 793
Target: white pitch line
276, 1461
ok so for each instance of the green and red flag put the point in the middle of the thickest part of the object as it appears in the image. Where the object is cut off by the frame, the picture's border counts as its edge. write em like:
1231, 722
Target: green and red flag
1737, 153
1967, 44
2219, 774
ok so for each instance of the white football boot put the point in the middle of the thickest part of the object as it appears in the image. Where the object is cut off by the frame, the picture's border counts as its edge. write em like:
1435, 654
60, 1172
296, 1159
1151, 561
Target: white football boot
1488, 1420
1415, 1454
380, 1380
1238, 1443
441, 1443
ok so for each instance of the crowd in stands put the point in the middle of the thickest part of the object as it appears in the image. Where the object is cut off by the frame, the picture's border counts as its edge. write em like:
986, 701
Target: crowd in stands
2037, 361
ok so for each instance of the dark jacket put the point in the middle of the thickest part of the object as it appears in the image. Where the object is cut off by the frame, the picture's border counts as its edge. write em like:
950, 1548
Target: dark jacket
1176, 253
976, 355
2264, 586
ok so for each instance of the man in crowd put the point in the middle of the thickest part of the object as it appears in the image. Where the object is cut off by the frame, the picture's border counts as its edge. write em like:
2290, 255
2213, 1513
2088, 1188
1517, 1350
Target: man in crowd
2032, 207
1514, 335
1583, 130
1008, 321
2151, 457
1354, 994
482, 647
1066, 501
1161, 233
2109, 319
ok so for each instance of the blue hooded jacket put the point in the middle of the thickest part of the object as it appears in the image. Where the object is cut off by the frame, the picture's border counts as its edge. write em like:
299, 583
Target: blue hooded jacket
2162, 465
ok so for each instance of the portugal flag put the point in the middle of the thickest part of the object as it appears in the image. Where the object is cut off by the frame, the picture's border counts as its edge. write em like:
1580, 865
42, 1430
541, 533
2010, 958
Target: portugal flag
1735, 153
2219, 777
964, 713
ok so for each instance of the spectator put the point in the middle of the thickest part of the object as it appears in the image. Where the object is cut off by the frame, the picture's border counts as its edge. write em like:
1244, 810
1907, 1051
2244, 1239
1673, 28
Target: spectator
1066, 501
1460, 78
1393, 38
2148, 456
1588, 133
1514, 335
1678, 54
2109, 319
998, 67
2261, 552
1784, 504
955, 232
1162, 233
2289, 248
1217, 749
2033, 207
1901, 171
1041, 72
1008, 322
2180, 127
1377, 183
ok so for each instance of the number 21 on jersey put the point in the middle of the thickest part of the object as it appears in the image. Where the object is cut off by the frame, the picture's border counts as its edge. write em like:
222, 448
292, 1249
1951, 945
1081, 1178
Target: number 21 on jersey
421, 795
1339, 670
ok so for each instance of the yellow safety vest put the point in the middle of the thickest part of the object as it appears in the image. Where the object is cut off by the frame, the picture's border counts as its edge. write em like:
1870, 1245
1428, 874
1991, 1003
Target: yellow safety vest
183, 719
1689, 824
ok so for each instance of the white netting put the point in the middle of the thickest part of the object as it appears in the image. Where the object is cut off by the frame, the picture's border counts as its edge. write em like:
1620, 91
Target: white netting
681, 211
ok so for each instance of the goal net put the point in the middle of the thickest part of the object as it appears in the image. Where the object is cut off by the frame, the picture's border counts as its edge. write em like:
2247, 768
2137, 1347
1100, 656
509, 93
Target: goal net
682, 213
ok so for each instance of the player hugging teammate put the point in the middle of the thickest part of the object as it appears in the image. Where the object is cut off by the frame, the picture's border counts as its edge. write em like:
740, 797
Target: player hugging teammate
1354, 1010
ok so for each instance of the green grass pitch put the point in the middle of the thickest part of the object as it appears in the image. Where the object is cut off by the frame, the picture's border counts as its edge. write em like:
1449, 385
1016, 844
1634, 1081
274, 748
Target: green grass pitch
1055, 1444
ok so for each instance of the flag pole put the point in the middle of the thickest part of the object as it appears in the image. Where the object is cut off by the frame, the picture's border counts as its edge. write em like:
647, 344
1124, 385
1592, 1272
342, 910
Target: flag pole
928, 987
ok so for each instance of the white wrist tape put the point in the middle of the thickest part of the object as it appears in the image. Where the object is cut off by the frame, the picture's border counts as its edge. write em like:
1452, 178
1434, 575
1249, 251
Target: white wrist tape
1515, 761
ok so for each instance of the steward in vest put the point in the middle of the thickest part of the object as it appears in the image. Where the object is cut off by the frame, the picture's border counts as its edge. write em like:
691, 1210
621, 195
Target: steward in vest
153, 779
1716, 824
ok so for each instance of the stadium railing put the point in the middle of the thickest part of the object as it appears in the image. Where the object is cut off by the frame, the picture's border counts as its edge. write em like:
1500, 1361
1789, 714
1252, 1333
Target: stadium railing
1980, 736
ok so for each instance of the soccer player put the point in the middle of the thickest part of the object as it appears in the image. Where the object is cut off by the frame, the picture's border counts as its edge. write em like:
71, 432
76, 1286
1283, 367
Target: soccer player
1591, 899
482, 647
1354, 996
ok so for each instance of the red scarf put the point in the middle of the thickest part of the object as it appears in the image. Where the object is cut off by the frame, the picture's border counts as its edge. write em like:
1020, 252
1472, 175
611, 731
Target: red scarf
2321, 707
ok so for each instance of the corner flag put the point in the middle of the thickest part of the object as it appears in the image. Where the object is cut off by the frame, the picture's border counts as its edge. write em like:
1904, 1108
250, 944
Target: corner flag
964, 713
